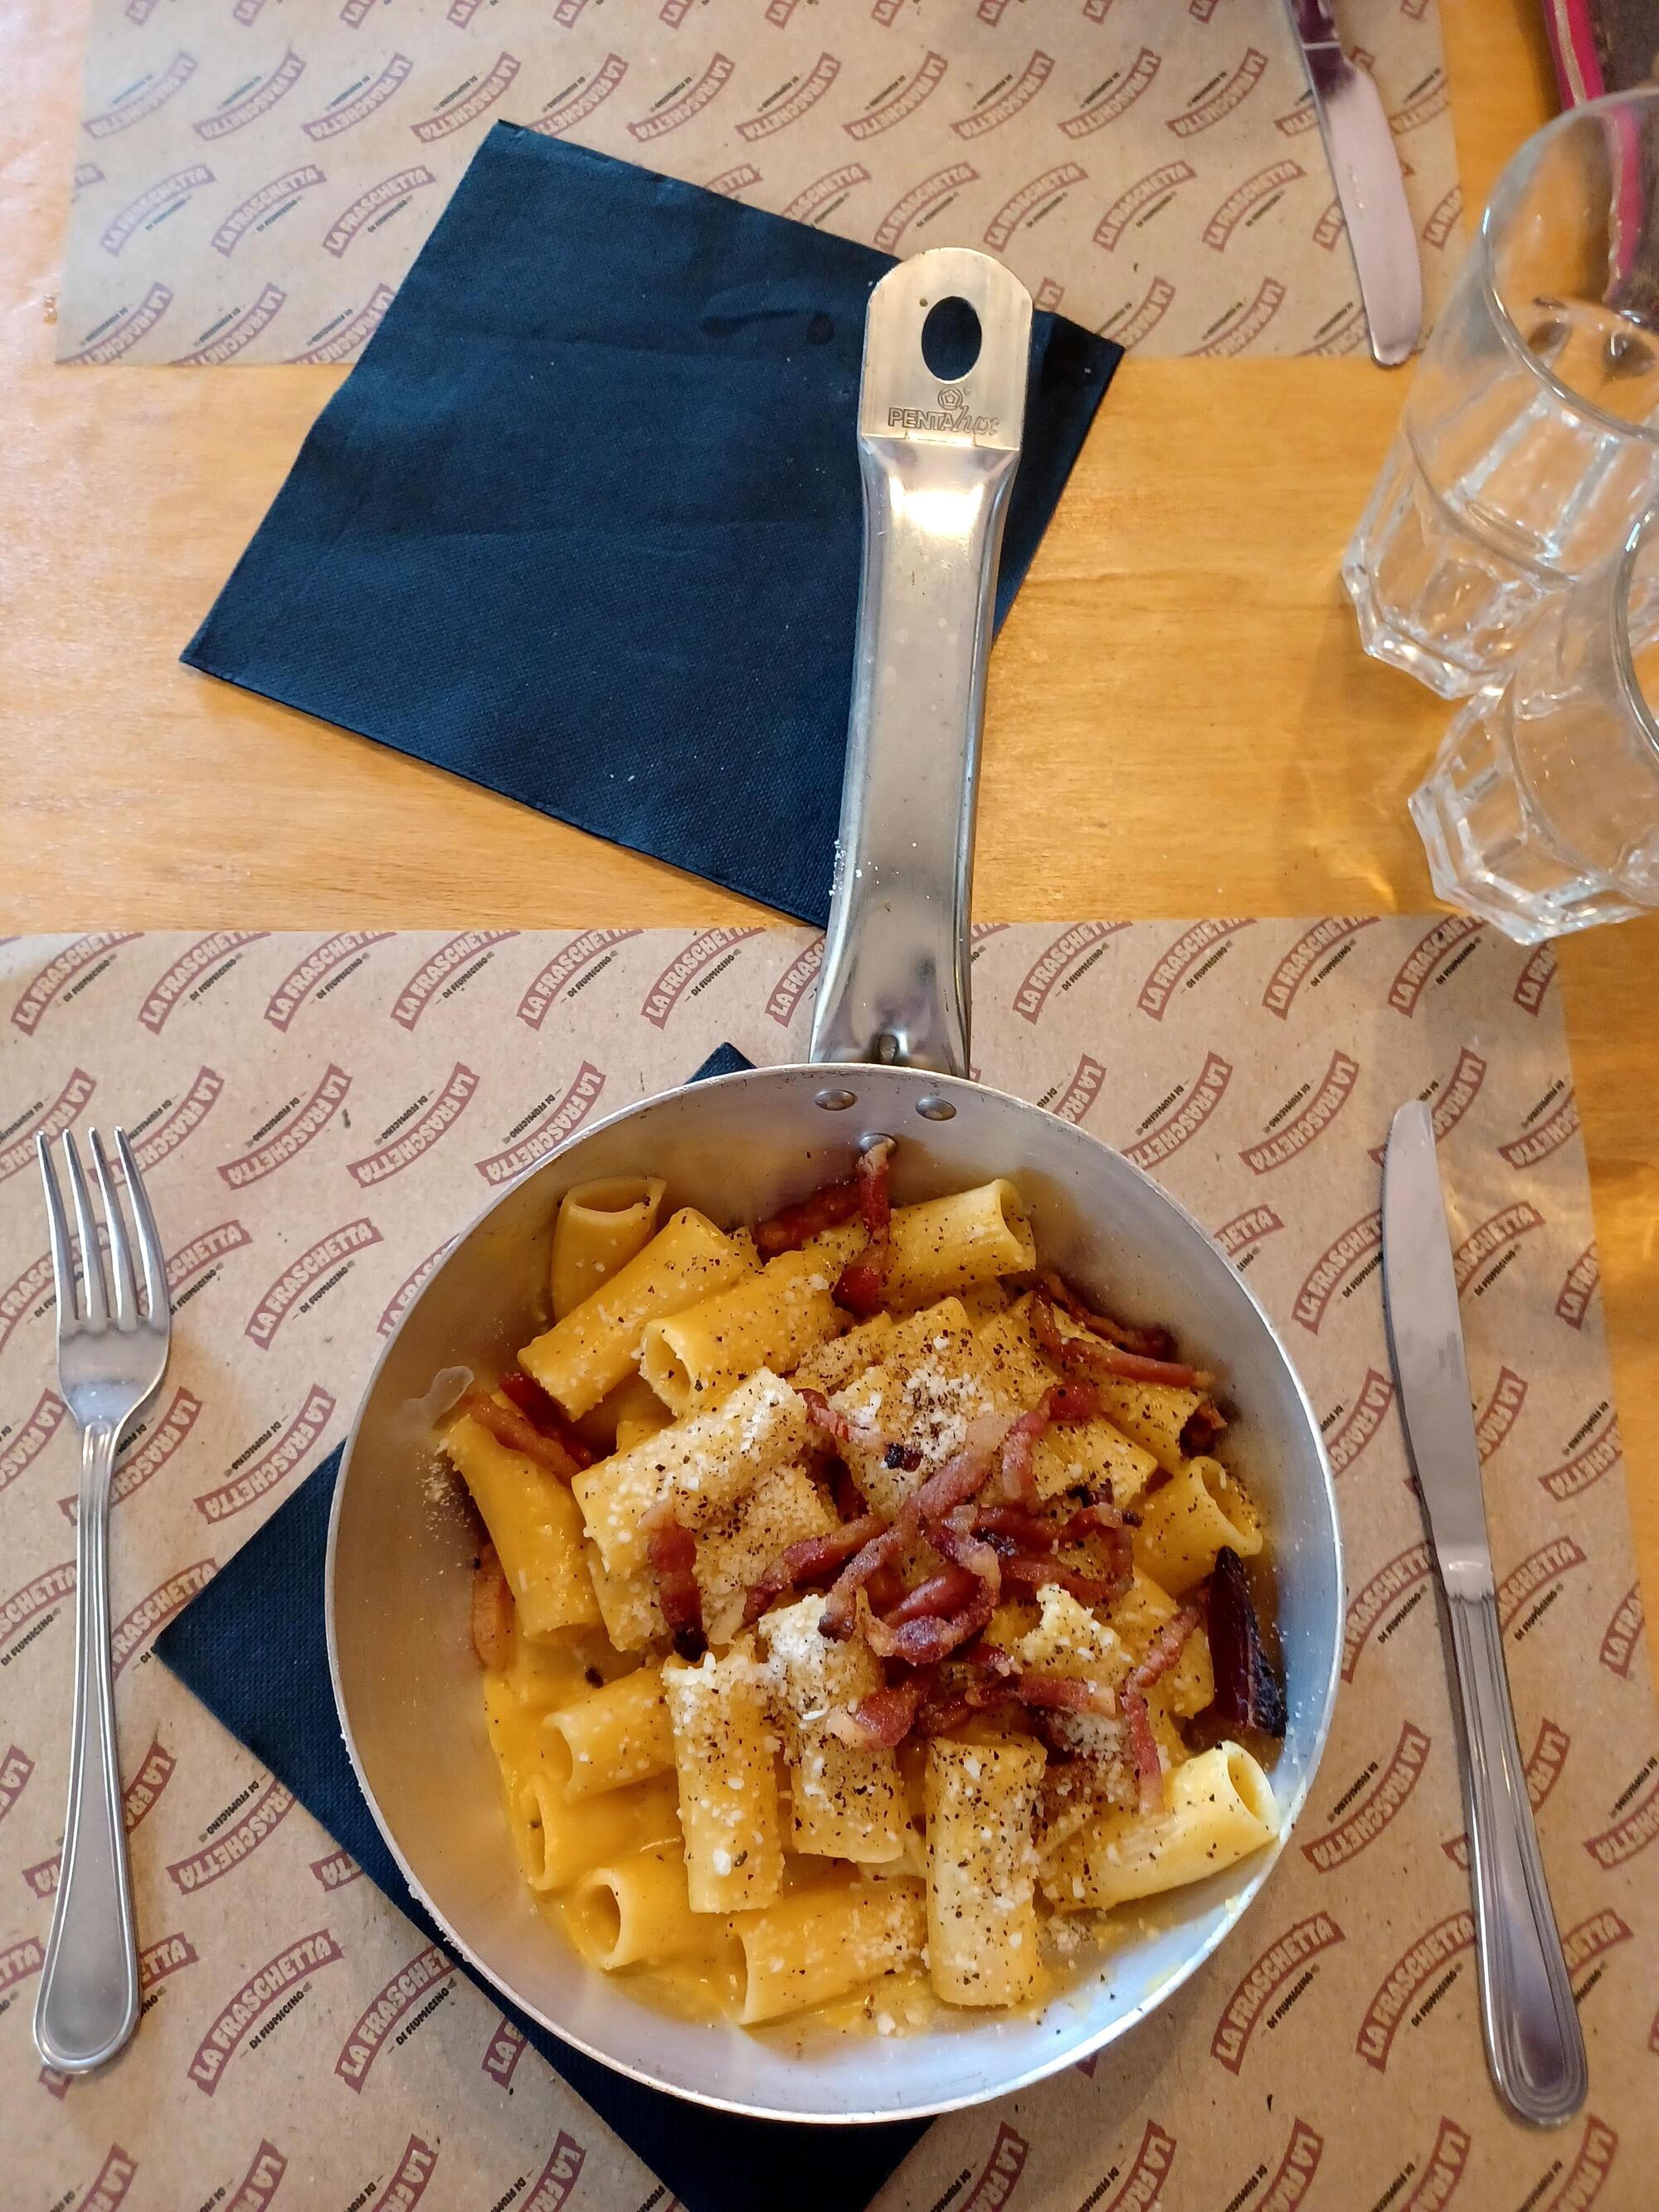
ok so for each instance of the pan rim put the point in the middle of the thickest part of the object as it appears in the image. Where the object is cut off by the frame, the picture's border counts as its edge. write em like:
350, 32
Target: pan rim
925, 2108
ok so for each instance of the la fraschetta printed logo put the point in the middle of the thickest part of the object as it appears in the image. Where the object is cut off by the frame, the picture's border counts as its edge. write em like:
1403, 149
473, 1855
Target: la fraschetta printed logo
310, 160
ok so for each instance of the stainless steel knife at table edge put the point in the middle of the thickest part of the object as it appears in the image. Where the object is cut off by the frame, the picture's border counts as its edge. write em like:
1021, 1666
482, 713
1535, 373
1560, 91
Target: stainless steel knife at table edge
1534, 2046
1360, 149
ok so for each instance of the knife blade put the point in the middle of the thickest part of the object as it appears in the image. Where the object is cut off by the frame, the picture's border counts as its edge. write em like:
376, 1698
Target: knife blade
1425, 1338
1534, 2047
1360, 149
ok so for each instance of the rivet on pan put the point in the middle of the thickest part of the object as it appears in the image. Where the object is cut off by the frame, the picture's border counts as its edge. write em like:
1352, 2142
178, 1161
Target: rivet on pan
836, 1101
936, 1109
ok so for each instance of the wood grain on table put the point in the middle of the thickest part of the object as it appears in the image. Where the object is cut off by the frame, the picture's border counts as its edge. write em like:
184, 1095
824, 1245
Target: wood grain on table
1180, 683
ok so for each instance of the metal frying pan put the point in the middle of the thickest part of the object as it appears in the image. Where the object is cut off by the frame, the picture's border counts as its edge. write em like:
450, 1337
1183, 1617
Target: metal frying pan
893, 1018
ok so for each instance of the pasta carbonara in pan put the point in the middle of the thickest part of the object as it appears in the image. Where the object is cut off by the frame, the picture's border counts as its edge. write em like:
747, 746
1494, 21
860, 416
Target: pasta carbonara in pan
863, 1619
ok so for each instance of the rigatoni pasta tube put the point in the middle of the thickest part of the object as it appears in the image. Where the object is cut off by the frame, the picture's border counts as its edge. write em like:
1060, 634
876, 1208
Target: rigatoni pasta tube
1136, 1616
554, 1839
558, 1840
945, 1245
784, 1507
1186, 1523
981, 1865
1068, 1639
830, 1367
628, 1603
548, 1673
1152, 1413
642, 1416
623, 1417
1189, 1686
846, 1798
930, 1386
611, 1737
1220, 1807
1096, 1452
728, 1789
600, 1227
819, 1943
703, 1464
535, 1525
635, 1910
773, 1319
589, 1352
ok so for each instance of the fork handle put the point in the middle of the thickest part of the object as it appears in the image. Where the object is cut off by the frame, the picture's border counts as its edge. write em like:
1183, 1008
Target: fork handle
89, 2001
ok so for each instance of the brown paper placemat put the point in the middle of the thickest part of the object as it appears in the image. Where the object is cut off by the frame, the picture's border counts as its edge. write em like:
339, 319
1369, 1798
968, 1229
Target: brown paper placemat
252, 179
315, 1115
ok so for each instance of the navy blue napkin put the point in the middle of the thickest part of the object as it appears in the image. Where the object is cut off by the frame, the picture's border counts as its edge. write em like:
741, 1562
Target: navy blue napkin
253, 1646
584, 523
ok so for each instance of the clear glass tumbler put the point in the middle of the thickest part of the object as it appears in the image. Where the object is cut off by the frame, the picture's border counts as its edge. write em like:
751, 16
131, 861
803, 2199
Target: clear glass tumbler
1529, 441
1542, 811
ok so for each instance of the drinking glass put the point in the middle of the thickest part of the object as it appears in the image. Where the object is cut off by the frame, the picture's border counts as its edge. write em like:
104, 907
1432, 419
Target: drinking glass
1529, 441
1542, 810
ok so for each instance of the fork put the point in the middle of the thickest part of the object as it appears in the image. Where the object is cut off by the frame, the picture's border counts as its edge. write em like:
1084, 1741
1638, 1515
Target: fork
108, 1369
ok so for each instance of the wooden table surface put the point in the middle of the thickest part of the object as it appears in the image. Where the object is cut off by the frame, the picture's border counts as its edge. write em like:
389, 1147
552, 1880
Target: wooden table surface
1180, 683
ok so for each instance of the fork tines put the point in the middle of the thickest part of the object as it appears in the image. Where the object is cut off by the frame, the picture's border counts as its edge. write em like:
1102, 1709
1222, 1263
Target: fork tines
92, 1312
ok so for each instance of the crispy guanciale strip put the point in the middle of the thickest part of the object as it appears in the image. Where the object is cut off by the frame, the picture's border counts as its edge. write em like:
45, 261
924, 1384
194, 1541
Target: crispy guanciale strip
1248, 1692
884, 1589
1026, 1573
840, 1428
840, 1612
849, 1500
886, 1716
1068, 1693
982, 1679
543, 1413
1149, 1767
492, 1611
1017, 1458
1027, 1544
810, 1561
945, 1716
518, 1433
1165, 1649
953, 1485
946, 1706
1100, 1513
673, 1552
1000, 1676
862, 1282
1015, 1528
927, 1639
955, 1541
795, 1225
1071, 1401
1094, 1355
827, 1420
946, 1592
1200, 1431
1151, 1340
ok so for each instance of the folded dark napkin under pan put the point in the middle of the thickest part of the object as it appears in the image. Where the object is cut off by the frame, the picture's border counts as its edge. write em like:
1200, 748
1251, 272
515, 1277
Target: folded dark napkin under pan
584, 523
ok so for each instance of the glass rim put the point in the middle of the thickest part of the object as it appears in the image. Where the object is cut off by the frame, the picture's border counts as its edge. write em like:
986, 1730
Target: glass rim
1506, 188
1623, 658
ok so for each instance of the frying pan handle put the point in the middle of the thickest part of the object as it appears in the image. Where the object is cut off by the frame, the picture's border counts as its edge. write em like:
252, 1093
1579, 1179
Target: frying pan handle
937, 460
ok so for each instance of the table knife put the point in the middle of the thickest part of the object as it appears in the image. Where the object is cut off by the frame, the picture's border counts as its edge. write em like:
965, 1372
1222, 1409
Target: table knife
1534, 2047
1360, 147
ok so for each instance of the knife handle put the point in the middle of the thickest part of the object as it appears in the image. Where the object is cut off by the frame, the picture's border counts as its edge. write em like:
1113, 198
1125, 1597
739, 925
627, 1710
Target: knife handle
1534, 2046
